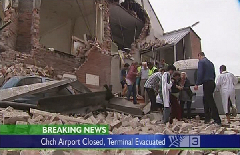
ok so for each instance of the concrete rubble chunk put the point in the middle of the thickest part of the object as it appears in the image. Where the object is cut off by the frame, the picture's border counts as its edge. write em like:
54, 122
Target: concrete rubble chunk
230, 132
156, 116
60, 152
21, 123
124, 106
30, 152
226, 153
186, 126
115, 124
156, 152
145, 129
167, 131
93, 119
65, 119
220, 131
145, 121
197, 152
185, 152
176, 128
173, 152
141, 152
69, 76
40, 112
135, 123
8, 152
14, 116
146, 109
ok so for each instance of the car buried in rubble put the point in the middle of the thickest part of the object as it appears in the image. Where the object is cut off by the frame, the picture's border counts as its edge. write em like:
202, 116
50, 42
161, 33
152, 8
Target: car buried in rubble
17, 81
67, 96
190, 66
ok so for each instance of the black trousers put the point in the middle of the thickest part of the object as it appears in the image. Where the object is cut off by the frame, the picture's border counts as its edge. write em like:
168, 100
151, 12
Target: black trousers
210, 107
152, 97
189, 103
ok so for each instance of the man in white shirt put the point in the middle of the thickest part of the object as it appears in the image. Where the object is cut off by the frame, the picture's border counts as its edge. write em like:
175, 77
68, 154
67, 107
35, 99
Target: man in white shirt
144, 76
226, 84
166, 87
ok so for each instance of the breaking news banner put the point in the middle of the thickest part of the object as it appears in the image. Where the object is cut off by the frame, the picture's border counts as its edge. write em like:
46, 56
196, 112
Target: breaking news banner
97, 137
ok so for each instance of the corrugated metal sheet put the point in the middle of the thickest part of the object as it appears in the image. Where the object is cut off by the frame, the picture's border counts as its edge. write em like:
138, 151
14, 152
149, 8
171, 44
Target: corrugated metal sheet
175, 36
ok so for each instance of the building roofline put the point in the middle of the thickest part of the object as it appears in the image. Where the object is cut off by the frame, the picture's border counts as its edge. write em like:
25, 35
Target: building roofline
195, 33
190, 28
170, 32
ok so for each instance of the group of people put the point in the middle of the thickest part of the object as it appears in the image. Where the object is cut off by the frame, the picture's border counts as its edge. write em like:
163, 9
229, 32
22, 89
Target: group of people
169, 90
151, 82
134, 77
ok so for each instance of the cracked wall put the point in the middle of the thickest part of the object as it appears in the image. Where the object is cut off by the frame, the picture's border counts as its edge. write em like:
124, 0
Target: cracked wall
93, 58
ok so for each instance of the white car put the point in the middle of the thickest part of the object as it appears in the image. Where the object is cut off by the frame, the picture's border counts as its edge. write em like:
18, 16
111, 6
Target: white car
190, 66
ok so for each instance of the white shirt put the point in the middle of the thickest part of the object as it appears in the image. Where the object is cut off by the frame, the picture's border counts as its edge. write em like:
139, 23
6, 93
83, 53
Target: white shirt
226, 81
144, 73
166, 89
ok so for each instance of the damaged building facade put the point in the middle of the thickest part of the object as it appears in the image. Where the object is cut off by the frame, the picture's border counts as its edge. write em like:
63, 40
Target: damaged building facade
87, 38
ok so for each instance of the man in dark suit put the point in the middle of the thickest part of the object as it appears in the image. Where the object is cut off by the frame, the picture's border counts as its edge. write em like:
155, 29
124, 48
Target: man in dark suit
206, 77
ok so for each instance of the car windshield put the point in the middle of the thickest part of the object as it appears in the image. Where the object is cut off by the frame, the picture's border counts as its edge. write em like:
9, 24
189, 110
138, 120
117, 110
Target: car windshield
11, 83
191, 75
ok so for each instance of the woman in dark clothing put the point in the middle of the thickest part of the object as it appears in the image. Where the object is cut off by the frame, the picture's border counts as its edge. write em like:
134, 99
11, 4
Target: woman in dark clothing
185, 95
175, 106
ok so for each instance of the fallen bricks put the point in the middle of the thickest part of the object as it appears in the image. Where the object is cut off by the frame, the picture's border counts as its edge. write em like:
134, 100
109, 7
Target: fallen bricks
119, 123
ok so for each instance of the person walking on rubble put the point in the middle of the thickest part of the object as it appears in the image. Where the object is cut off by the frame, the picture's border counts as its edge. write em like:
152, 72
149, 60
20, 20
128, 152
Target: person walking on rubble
131, 82
151, 86
226, 82
174, 97
206, 77
138, 80
185, 95
144, 76
166, 87
123, 78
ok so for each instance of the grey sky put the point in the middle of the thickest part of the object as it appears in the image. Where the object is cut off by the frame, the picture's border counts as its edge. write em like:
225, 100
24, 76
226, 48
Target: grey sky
219, 26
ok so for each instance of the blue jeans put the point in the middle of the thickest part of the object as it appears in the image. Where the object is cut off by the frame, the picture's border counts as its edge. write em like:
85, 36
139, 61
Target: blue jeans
132, 90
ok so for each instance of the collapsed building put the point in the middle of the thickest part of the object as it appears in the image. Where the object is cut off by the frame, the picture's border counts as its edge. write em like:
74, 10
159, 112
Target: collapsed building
86, 37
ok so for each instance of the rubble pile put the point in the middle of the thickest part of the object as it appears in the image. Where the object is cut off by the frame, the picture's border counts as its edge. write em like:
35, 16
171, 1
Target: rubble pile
120, 124
21, 69
155, 44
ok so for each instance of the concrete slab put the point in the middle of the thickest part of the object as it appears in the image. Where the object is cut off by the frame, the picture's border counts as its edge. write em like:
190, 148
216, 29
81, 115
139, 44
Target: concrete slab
122, 105
16, 92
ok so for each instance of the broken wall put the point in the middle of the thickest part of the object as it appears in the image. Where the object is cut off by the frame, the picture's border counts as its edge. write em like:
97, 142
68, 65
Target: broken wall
25, 9
95, 60
9, 33
156, 27
98, 65
60, 20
